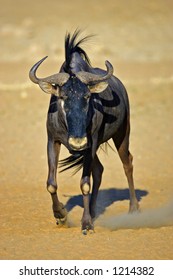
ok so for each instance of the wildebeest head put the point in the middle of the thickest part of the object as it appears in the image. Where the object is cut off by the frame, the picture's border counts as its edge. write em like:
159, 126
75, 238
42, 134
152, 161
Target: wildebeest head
73, 86
73, 92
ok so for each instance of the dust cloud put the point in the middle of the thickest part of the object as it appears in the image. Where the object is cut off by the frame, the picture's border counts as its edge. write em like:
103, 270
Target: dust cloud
150, 218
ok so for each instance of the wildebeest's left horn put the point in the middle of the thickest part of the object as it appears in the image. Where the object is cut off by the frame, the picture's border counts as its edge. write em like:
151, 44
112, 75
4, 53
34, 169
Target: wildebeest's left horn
89, 78
58, 79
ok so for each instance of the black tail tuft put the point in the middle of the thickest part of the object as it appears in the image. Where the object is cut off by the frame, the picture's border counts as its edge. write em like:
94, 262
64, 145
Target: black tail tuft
73, 161
72, 45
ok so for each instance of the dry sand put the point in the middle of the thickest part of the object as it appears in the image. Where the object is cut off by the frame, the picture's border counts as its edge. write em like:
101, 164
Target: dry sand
136, 36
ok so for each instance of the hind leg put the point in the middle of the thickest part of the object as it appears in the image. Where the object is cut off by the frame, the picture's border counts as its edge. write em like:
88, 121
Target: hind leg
126, 158
53, 149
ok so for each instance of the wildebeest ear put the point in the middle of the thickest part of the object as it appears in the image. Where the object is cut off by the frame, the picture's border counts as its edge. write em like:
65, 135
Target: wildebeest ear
98, 87
49, 88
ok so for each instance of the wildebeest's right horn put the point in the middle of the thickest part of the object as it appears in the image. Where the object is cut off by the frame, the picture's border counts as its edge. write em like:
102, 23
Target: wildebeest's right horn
58, 79
90, 78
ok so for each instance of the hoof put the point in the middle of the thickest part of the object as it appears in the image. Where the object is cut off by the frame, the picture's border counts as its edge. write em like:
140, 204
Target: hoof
88, 231
61, 221
60, 214
134, 208
87, 228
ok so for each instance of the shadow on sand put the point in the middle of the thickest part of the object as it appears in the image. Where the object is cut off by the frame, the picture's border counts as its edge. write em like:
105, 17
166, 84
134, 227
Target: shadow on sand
105, 199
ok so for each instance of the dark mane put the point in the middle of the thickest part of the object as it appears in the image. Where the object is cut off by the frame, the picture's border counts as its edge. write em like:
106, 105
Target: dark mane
73, 45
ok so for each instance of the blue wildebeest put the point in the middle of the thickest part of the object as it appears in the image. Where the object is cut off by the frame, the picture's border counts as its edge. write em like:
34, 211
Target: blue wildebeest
88, 106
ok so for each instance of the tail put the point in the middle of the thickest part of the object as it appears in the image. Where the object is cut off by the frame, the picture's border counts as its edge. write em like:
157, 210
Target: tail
73, 161
76, 161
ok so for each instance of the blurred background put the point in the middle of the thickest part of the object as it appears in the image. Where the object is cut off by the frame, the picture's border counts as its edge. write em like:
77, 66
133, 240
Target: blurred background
127, 30
136, 37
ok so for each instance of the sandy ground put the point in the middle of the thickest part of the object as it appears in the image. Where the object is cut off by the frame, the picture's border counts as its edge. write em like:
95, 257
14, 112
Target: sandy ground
136, 36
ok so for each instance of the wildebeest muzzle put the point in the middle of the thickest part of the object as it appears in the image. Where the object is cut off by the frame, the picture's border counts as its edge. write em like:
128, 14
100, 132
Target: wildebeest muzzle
77, 144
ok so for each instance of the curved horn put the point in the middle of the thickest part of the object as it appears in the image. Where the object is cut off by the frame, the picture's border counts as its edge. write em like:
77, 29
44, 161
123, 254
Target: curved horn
59, 78
89, 78
32, 72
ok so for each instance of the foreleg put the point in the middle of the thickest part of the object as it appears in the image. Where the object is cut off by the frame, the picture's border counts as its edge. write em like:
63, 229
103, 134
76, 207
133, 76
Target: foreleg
85, 186
53, 150
97, 170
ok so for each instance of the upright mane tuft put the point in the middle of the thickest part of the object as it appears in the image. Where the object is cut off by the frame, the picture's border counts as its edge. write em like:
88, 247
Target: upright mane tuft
73, 45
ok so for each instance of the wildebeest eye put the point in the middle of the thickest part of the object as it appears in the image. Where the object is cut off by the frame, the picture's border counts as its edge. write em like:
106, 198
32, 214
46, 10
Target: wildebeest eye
87, 96
63, 96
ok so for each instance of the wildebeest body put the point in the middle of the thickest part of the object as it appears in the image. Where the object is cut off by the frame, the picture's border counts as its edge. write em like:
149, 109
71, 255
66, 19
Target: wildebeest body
88, 106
